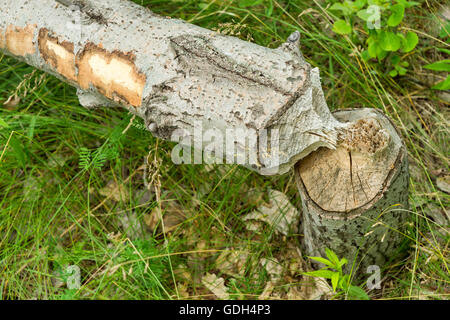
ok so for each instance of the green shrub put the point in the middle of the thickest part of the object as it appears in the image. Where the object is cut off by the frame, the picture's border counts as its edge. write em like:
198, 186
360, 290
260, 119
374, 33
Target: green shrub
375, 25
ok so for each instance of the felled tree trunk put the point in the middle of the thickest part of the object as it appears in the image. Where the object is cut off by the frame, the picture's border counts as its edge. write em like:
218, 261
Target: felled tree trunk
356, 196
184, 81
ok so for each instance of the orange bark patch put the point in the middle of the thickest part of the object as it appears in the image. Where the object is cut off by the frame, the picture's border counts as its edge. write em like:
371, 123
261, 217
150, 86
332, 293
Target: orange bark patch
2, 39
114, 74
19, 41
58, 54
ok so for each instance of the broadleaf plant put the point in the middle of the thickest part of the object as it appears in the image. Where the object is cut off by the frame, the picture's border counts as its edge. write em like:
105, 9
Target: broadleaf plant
333, 271
443, 66
381, 36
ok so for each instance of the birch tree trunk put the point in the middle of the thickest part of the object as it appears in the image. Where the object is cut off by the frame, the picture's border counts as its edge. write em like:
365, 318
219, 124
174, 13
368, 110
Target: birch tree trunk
356, 196
180, 78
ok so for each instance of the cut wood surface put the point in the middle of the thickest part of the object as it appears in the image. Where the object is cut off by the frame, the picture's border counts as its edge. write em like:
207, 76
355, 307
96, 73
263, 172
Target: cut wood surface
175, 75
356, 197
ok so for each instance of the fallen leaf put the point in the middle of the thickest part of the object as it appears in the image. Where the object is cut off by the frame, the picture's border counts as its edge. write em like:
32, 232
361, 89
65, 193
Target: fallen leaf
182, 272
216, 285
183, 290
12, 102
132, 225
320, 291
439, 215
278, 213
268, 289
273, 268
295, 294
31, 188
118, 192
232, 262
143, 196
57, 160
173, 216
443, 183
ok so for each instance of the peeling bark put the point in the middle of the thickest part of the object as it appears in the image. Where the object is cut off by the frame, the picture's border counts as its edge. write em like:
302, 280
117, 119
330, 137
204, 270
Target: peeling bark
355, 197
174, 74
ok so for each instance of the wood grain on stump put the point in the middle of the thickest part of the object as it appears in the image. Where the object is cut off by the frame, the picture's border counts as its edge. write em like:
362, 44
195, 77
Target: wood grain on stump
355, 197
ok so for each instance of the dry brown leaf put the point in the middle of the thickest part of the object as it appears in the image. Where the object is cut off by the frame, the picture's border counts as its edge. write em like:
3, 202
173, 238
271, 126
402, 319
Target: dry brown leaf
182, 272
278, 213
12, 102
216, 285
439, 215
295, 294
320, 290
266, 294
183, 290
232, 262
273, 268
114, 191
173, 216
443, 183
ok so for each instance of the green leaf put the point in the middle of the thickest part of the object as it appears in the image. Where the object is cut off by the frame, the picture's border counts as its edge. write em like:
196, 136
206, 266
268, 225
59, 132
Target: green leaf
343, 261
444, 50
395, 59
443, 85
19, 151
410, 41
401, 70
3, 123
323, 260
445, 31
249, 3
323, 273
364, 14
333, 258
408, 4
269, 10
374, 48
342, 27
398, 11
443, 65
393, 73
358, 4
365, 55
389, 41
358, 293
344, 281
340, 7
334, 281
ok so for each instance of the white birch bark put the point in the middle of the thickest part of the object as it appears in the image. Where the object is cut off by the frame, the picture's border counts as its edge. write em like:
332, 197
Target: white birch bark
175, 75
355, 198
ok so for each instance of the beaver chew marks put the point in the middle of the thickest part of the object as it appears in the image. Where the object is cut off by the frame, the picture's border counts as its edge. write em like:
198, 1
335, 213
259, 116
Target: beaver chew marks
351, 176
365, 135
57, 54
114, 74
19, 41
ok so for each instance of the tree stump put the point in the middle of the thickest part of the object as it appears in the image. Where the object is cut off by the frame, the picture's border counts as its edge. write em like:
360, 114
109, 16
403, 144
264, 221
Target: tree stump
356, 196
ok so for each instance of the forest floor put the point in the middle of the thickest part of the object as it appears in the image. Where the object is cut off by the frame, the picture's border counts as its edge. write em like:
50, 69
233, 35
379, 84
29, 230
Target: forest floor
79, 192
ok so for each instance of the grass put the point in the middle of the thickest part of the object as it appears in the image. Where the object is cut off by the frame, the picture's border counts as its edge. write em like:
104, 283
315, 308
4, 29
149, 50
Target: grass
56, 212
